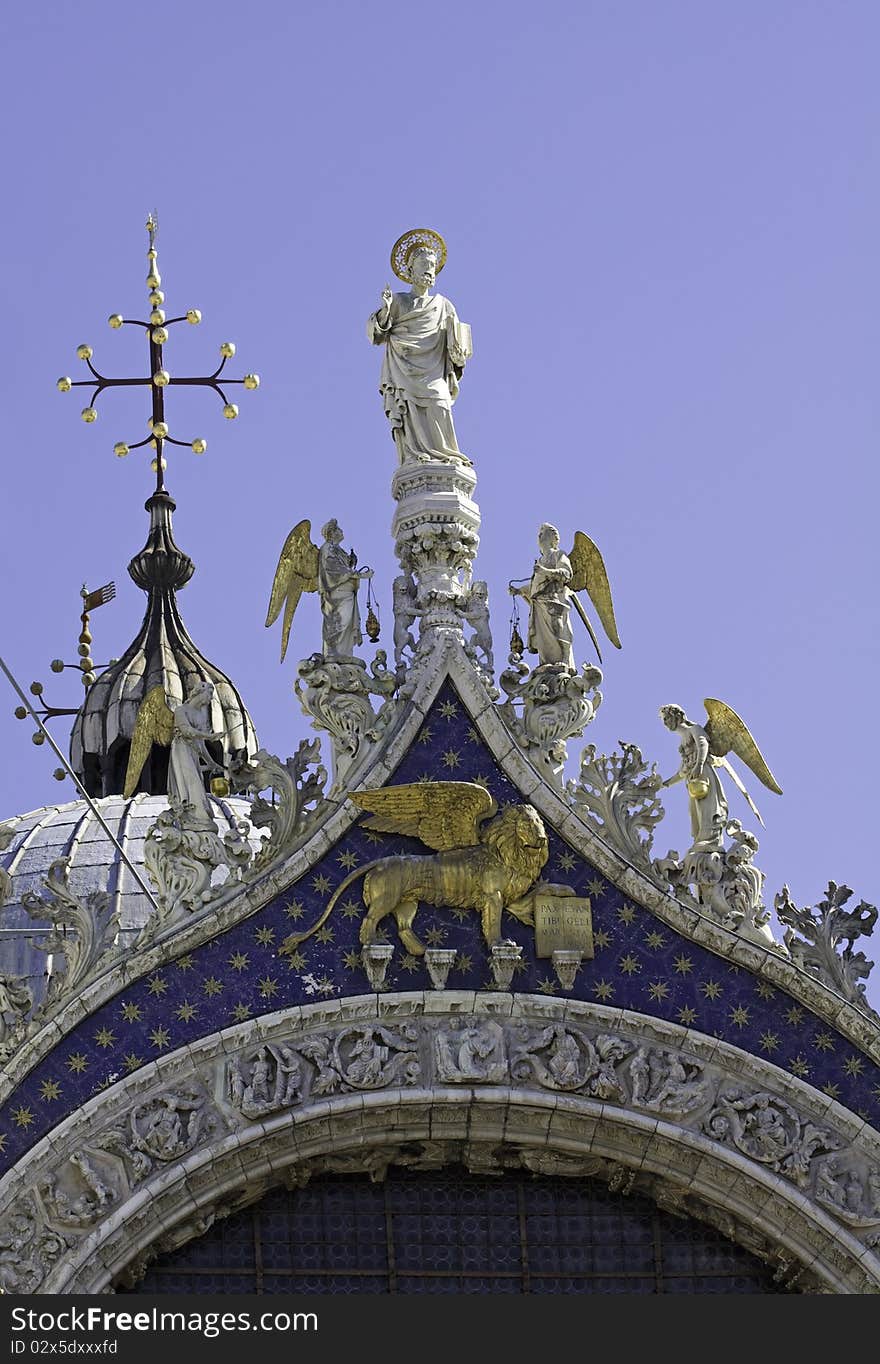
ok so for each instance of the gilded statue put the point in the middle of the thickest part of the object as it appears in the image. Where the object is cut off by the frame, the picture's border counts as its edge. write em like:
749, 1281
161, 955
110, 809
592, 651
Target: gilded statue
333, 573
483, 860
556, 580
426, 349
703, 750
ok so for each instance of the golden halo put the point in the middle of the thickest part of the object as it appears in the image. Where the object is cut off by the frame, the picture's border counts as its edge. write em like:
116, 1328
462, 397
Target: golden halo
403, 248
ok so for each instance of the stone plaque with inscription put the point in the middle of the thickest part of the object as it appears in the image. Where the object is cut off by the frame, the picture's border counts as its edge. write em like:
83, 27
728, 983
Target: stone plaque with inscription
563, 922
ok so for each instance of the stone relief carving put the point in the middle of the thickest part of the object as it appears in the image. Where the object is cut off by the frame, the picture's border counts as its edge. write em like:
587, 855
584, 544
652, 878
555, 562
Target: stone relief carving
815, 937
169, 1126
82, 1192
28, 1248
665, 1082
16, 1002
768, 1130
406, 613
7, 833
852, 1195
267, 1081
83, 933
476, 613
471, 1053
620, 794
336, 694
368, 1057
181, 856
555, 703
298, 800
562, 1058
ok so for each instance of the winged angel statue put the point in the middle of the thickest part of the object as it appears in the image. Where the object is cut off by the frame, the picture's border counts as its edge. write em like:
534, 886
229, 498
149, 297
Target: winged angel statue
552, 591
186, 729
330, 571
483, 860
703, 750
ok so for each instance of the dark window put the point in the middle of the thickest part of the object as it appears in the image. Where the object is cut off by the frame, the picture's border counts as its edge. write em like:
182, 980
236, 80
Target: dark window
457, 1233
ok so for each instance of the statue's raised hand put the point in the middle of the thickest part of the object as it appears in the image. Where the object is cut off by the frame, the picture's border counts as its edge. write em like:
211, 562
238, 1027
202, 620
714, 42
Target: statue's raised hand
387, 299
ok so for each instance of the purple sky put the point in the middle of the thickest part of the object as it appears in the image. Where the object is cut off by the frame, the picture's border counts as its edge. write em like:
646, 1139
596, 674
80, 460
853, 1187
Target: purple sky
662, 224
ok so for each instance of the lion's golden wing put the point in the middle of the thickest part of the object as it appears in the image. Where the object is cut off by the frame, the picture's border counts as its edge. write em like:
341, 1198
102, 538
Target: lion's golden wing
588, 573
443, 814
154, 725
297, 572
729, 734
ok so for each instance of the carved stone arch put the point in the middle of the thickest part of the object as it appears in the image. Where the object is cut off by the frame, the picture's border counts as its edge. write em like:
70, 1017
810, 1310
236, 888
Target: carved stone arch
490, 1081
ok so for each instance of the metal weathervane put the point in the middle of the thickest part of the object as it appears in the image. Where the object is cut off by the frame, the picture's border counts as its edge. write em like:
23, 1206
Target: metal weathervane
159, 377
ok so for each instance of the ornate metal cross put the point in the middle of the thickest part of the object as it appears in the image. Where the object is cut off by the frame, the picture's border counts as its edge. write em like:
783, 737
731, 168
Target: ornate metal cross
158, 378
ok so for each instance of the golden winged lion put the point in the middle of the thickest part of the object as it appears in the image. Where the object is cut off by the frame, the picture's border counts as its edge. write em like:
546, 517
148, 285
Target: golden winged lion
297, 572
483, 860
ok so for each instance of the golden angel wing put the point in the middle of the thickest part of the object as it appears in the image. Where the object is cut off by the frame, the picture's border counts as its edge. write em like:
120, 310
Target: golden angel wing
297, 572
443, 814
729, 734
154, 725
588, 574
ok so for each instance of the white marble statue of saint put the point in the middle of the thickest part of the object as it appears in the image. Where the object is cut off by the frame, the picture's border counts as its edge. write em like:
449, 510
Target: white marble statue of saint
338, 581
187, 729
550, 634
426, 348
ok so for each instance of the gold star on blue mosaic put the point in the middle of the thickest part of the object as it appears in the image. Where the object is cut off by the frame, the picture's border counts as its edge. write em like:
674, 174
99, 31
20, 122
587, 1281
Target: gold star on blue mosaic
425, 736
186, 1011
240, 1012
212, 986
739, 1016
658, 989
50, 1090
371, 836
687, 1015
683, 965
833, 1091
655, 940
3, 1140
160, 1037
482, 779
603, 989
435, 937
596, 886
105, 1038
295, 910
350, 910
711, 989
76, 1062
295, 961
566, 861
265, 935
131, 1061
629, 964
268, 987
325, 933
463, 962
769, 1041
601, 939
451, 758
472, 735
854, 1065
795, 1016
459, 914
823, 1041
799, 1066
321, 884
348, 859
131, 1012
410, 963
239, 961
448, 709
626, 914
22, 1116
185, 963
351, 960
157, 986
765, 989
424, 778
325, 985
547, 987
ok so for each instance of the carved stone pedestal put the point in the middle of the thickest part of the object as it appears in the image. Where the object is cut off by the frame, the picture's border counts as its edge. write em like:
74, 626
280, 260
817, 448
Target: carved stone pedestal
566, 964
376, 957
436, 534
439, 961
502, 962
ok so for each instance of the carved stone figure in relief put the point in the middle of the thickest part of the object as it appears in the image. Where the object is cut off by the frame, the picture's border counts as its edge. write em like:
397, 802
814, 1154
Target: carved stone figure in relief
168, 1126
426, 349
15, 1003
552, 592
474, 1053
405, 613
488, 868
476, 613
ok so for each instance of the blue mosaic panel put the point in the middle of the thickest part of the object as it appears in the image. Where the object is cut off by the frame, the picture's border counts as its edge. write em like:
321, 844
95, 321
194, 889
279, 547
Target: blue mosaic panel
640, 964
457, 1233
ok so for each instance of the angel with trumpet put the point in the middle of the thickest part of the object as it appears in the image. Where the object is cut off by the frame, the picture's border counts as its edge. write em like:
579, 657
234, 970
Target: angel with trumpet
552, 591
330, 571
703, 750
